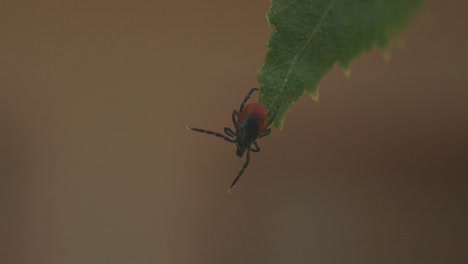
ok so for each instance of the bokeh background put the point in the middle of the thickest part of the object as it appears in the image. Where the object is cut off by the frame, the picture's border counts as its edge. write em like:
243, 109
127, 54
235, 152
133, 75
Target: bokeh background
96, 165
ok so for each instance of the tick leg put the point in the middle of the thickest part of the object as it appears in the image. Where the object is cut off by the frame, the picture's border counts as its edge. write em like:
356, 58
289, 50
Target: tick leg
234, 117
229, 132
212, 133
246, 99
273, 117
266, 132
256, 149
240, 172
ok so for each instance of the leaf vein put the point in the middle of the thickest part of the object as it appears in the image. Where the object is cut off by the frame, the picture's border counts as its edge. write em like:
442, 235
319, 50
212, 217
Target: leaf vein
308, 41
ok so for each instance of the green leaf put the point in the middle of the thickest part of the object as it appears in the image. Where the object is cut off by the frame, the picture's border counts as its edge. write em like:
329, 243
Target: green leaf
310, 36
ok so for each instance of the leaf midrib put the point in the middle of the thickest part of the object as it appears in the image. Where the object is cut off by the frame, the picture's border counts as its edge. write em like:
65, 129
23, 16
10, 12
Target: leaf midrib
309, 40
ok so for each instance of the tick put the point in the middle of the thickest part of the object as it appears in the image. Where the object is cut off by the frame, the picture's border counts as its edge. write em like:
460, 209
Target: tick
250, 123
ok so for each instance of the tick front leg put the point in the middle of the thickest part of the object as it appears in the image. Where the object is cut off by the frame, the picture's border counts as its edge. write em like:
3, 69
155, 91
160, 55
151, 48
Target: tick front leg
247, 98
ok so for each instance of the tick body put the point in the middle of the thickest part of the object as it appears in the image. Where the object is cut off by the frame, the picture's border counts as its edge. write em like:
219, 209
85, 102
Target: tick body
251, 122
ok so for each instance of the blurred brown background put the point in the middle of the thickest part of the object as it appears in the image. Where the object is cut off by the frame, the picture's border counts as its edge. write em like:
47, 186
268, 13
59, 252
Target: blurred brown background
96, 165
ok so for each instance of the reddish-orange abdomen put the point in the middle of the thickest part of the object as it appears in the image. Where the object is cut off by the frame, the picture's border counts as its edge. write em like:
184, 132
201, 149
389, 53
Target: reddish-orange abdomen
254, 113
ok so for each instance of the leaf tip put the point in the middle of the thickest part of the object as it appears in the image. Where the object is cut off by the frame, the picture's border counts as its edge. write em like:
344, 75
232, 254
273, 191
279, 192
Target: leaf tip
401, 43
386, 54
279, 123
346, 71
314, 95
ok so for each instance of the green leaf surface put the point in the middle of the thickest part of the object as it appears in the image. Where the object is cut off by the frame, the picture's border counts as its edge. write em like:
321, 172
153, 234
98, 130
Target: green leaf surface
310, 36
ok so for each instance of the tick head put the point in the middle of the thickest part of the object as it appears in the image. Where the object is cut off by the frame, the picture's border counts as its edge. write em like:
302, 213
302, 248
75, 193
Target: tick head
240, 150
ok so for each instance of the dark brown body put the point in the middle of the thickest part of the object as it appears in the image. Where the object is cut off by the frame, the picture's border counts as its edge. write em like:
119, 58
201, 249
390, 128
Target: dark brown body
251, 123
